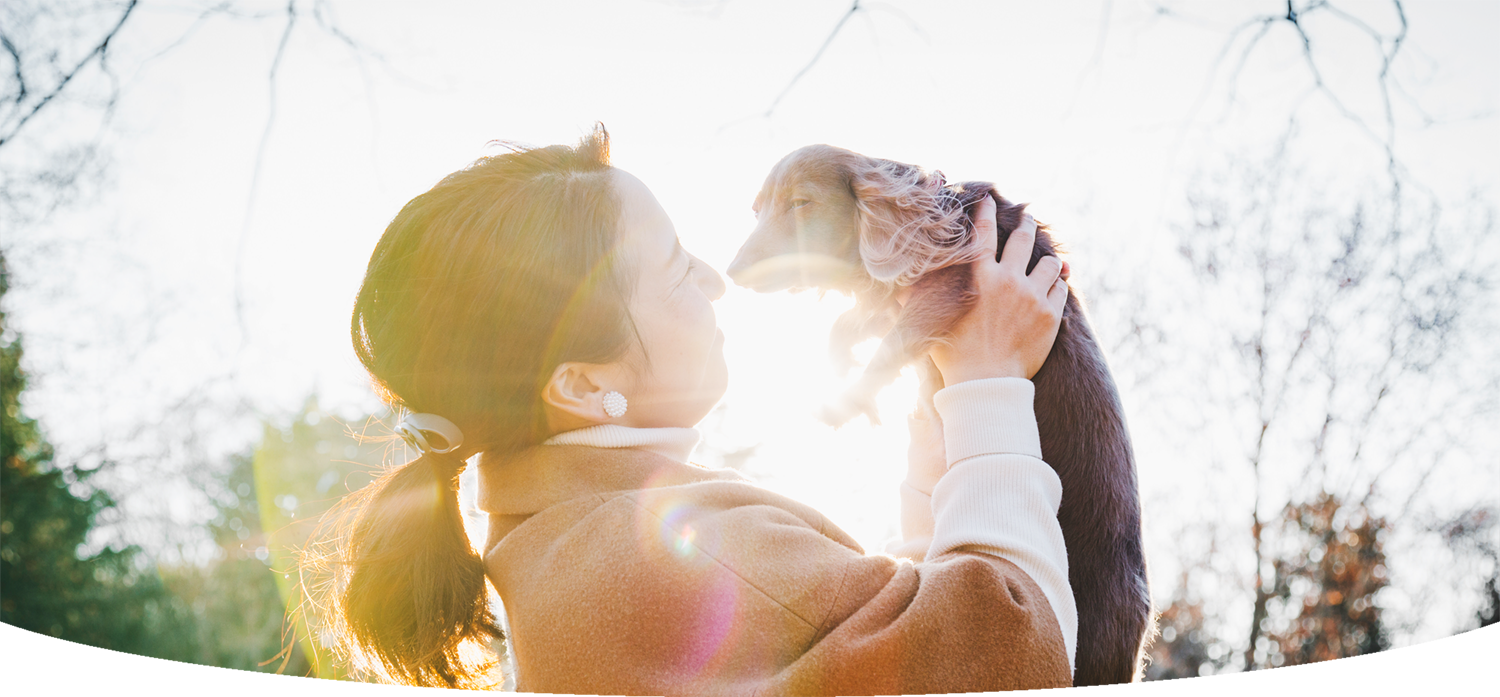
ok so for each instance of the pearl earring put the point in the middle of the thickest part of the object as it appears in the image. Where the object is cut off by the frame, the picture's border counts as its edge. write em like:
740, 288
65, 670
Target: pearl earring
614, 404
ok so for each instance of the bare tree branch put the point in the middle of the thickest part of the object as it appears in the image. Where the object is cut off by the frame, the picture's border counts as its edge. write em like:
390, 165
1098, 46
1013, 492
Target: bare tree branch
260, 156
98, 53
853, 8
1294, 16
15, 57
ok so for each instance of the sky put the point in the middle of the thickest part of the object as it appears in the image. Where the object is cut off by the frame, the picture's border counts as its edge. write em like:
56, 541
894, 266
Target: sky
212, 263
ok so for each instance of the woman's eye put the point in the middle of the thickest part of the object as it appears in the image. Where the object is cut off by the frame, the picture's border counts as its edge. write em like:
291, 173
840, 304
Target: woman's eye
799, 202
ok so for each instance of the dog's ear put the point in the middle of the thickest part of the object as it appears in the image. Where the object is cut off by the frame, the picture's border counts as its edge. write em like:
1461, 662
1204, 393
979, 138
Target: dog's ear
909, 223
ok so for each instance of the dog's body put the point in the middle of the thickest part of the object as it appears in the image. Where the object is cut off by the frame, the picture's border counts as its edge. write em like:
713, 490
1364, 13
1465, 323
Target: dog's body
834, 219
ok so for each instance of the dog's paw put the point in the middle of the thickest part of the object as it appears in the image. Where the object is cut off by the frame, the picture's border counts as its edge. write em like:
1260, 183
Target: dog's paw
835, 415
848, 406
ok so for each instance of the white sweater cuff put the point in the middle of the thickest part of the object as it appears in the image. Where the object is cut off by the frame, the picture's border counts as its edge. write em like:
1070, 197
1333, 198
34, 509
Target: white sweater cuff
981, 417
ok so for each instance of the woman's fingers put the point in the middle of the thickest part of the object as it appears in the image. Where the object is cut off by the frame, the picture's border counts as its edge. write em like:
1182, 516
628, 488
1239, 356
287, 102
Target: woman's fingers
1018, 248
987, 234
1048, 270
1057, 295
1050, 278
1015, 320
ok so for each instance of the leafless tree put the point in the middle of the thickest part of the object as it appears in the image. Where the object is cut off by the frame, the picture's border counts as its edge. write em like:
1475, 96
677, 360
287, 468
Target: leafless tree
57, 65
66, 68
1333, 339
1246, 37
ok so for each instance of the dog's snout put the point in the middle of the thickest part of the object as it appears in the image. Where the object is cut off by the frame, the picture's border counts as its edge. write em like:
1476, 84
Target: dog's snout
739, 266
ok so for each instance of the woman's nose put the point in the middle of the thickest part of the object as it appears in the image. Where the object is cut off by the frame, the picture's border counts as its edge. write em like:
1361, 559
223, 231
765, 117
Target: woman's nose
711, 282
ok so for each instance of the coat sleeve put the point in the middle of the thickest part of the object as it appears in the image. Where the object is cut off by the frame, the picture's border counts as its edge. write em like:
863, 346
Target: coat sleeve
770, 597
962, 622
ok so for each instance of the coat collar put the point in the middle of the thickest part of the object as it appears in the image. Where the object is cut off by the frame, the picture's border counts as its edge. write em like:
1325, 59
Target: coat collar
542, 476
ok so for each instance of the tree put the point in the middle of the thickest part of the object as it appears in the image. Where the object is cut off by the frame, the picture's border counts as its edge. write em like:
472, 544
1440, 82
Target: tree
248, 600
1341, 371
303, 469
1186, 645
112, 598
235, 598
1475, 533
1457, 664
1329, 574
59, 60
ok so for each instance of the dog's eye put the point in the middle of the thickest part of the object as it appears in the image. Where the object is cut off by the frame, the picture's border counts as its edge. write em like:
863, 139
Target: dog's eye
798, 203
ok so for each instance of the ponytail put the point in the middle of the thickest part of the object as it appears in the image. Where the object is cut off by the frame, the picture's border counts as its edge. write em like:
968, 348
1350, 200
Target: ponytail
409, 591
478, 289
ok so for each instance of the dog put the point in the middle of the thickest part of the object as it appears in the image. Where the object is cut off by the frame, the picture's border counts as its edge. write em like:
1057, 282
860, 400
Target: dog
833, 219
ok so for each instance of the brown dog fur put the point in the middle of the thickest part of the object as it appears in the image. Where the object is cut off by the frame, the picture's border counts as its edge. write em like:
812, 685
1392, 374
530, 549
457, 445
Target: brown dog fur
834, 219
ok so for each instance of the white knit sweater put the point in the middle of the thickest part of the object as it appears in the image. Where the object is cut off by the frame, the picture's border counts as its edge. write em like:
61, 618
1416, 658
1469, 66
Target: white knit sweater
996, 496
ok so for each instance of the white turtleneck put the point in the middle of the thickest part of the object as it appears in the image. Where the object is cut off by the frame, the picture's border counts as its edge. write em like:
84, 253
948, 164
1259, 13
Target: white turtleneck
996, 495
674, 443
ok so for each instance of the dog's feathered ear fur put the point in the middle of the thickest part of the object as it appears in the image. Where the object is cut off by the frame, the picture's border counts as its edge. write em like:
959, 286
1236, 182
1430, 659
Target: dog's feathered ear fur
909, 222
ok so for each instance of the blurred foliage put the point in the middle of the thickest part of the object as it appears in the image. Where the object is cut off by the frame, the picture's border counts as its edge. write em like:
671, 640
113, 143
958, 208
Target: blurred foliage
1475, 533
305, 468
241, 622
229, 611
1185, 647
1457, 664
112, 598
1329, 569
1329, 574
267, 505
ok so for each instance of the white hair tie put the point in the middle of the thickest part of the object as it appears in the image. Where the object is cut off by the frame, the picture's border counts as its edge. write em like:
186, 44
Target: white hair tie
421, 430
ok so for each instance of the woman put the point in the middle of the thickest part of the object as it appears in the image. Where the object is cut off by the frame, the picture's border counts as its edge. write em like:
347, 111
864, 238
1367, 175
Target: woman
535, 309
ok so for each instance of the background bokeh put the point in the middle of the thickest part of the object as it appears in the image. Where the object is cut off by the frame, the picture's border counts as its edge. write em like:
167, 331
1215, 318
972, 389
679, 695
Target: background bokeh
1281, 215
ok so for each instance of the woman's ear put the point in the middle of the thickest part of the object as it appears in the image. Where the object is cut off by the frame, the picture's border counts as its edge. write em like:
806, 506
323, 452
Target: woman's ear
907, 225
573, 397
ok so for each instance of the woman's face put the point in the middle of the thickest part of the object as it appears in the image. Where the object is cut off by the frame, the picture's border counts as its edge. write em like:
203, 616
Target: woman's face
682, 374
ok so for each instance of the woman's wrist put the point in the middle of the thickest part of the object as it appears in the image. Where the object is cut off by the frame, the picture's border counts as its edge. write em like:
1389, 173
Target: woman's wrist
956, 374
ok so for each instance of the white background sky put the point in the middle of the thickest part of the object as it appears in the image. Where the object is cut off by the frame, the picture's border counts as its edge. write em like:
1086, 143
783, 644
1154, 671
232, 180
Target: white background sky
1098, 112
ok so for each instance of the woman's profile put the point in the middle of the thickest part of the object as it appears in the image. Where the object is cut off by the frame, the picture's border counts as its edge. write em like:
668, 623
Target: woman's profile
535, 315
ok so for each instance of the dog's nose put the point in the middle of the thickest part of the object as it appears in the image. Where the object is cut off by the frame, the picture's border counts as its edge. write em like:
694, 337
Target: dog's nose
737, 268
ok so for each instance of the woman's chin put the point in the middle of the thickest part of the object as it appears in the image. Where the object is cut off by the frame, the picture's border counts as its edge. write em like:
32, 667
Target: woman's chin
710, 396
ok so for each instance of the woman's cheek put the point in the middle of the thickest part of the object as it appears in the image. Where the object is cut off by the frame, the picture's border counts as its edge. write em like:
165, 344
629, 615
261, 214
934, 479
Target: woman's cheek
699, 318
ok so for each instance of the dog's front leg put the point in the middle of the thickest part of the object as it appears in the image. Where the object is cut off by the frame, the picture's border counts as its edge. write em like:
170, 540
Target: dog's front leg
936, 303
870, 317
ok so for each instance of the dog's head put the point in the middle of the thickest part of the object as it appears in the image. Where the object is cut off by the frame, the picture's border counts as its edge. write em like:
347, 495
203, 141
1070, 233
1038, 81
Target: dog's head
835, 219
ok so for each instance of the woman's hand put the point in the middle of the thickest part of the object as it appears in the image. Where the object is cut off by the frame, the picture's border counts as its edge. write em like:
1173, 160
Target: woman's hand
1010, 330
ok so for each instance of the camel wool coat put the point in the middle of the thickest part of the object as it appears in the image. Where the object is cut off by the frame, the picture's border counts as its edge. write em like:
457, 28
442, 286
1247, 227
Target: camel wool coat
626, 572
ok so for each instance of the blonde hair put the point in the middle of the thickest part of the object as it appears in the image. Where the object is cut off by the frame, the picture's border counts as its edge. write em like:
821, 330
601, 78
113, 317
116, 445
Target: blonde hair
478, 289
911, 222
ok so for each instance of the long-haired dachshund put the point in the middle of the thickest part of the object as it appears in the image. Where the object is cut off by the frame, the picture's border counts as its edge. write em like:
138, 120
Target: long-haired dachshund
834, 219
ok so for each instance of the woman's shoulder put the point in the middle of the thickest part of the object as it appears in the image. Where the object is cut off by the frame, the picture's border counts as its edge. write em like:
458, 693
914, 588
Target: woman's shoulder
629, 583
676, 537
720, 513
